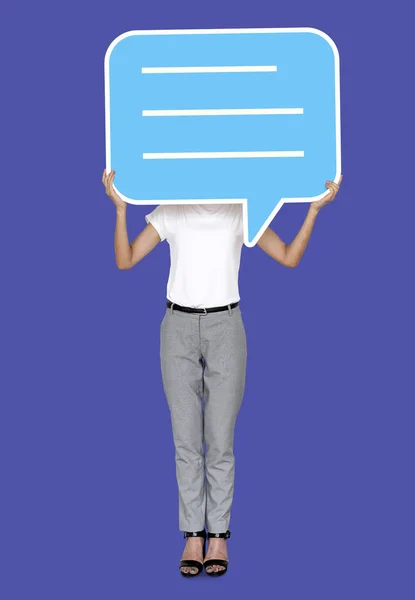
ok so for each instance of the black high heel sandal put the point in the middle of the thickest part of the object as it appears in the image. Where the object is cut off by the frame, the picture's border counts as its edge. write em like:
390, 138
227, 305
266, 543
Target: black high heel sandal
193, 563
220, 562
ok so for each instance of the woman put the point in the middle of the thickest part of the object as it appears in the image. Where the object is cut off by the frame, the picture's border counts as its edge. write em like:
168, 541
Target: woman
203, 352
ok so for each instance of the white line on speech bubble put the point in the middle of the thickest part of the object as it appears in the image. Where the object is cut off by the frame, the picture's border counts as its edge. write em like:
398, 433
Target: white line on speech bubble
243, 201
175, 155
236, 69
216, 112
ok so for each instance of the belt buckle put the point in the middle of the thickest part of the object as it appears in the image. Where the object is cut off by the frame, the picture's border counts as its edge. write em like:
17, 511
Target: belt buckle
205, 313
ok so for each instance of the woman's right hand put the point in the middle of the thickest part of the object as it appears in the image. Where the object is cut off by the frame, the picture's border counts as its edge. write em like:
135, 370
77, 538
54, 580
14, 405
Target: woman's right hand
108, 181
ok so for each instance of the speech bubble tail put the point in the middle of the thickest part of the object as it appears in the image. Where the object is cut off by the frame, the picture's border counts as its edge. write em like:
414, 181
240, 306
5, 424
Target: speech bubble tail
257, 217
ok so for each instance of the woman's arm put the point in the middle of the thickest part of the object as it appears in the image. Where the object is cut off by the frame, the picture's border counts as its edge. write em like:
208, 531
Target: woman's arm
290, 255
127, 255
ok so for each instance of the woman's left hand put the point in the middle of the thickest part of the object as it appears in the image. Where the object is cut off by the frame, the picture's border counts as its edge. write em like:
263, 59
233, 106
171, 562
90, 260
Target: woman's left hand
333, 190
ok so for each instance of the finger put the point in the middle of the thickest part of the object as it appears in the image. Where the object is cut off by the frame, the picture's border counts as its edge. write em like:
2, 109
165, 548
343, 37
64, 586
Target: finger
332, 183
332, 192
327, 197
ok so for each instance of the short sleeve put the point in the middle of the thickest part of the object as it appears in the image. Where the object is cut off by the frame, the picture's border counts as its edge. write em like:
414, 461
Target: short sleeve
158, 221
240, 216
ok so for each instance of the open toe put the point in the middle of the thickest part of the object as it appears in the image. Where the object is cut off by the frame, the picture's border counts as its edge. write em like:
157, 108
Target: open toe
216, 566
190, 567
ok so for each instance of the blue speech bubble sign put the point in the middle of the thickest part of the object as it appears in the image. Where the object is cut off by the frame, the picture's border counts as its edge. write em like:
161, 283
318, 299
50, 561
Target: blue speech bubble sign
242, 115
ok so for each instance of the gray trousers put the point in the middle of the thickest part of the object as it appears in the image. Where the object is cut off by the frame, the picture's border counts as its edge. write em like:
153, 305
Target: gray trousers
203, 357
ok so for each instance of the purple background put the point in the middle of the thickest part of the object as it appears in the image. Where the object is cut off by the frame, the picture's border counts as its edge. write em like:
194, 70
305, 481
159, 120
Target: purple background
324, 497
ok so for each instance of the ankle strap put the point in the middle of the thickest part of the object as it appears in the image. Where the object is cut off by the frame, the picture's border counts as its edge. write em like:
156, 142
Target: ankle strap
201, 533
220, 535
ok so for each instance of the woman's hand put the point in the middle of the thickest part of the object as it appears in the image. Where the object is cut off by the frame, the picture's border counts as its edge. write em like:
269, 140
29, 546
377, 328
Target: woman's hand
334, 188
108, 181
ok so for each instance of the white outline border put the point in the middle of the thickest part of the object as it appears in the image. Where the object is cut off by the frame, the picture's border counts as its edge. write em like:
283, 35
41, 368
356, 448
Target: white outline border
243, 201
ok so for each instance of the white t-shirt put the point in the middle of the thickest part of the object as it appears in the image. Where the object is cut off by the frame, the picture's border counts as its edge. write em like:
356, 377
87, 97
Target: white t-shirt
205, 250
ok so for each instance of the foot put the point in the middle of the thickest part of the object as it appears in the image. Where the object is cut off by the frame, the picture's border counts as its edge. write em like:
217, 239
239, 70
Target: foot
192, 551
217, 549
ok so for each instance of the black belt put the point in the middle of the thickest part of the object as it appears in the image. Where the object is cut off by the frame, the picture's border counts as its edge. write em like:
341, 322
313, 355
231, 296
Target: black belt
199, 310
